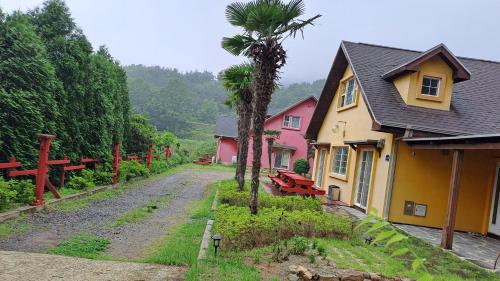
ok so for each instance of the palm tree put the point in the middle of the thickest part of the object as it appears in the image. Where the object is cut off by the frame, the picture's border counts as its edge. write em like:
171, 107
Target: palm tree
266, 24
271, 136
238, 80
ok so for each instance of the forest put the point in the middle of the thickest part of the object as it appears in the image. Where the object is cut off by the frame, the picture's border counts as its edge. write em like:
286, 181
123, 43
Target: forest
188, 103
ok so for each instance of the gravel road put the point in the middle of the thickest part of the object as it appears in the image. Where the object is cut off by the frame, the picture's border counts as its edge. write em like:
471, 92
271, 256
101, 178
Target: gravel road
130, 241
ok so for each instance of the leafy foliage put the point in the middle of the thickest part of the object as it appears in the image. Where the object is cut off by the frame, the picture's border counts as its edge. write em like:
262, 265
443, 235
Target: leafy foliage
132, 169
301, 166
298, 245
6, 195
82, 245
25, 191
228, 194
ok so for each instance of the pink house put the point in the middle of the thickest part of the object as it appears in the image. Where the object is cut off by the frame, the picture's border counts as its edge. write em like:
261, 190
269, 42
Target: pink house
292, 122
226, 132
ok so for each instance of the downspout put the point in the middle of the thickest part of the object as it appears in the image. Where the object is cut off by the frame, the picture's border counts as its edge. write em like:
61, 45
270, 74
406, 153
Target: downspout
392, 171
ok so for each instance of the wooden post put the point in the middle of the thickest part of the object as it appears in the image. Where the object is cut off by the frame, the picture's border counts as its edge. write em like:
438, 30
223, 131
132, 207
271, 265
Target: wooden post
149, 157
116, 162
451, 213
41, 173
168, 152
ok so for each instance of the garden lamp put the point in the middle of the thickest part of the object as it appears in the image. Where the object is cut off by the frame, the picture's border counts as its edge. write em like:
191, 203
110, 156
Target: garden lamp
217, 238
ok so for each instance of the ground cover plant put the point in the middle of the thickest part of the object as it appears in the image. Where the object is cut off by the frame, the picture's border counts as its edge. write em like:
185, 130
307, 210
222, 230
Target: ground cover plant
81, 245
230, 195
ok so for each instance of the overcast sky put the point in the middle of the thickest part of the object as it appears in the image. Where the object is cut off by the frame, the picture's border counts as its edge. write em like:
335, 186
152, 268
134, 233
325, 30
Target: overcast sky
186, 34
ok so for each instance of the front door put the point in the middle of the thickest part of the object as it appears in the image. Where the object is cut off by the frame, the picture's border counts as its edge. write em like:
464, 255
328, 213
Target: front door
363, 178
321, 166
495, 204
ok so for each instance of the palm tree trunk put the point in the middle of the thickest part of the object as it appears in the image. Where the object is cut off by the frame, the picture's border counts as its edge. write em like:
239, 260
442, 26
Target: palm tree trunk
270, 142
264, 85
243, 137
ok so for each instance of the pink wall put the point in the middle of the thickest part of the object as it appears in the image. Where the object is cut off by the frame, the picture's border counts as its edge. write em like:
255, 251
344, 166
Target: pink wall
226, 149
288, 137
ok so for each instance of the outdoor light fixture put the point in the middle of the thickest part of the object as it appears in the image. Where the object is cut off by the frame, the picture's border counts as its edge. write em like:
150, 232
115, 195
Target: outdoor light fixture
217, 238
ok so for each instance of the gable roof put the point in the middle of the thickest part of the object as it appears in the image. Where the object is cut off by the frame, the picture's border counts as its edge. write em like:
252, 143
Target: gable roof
460, 72
474, 104
292, 107
226, 126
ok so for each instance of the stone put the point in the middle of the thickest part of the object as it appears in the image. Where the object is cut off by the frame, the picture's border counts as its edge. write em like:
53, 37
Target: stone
328, 277
351, 275
375, 277
305, 273
293, 277
366, 275
293, 269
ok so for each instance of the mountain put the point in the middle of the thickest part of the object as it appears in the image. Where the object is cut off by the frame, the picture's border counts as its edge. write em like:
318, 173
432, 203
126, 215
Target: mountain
188, 103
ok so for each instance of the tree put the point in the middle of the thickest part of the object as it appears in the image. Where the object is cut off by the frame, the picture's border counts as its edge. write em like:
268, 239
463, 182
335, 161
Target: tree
140, 134
266, 24
301, 166
271, 136
238, 80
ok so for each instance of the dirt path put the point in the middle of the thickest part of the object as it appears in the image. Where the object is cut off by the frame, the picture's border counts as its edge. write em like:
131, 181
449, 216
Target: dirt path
39, 267
48, 228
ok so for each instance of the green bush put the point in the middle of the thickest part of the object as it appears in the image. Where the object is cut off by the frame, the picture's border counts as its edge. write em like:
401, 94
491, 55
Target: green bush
7, 195
301, 166
132, 169
241, 230
25, 191
298, 245
229, 194
80, 183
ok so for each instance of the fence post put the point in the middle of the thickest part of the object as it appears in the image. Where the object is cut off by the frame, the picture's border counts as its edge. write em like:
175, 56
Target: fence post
116, 163
148, 158
41, 174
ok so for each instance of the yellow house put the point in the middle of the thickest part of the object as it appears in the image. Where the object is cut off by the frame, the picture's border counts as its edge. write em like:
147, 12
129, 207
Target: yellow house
414, 136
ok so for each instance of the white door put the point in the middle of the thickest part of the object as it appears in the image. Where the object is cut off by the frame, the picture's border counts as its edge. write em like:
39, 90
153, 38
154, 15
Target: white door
320, 169
363, 178
495, 204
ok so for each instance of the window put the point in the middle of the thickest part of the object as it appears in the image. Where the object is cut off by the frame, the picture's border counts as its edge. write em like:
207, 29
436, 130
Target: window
282, 159
348, 95
339, 160
291, 122
430, 86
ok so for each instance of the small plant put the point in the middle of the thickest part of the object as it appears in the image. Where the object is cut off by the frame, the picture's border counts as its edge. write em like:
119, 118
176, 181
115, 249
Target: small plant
311, 257
102, 177
314, 243
132, 169
80, 183
298, 245
6, 195
301, 166
321, 250
25, 191
280, 251
256, 258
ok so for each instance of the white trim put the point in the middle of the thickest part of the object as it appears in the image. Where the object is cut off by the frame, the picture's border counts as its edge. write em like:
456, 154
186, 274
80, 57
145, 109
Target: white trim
358, 177
430, 87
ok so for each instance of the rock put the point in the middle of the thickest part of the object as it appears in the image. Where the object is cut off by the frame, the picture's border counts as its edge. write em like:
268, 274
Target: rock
293, 269
375, 277
328, 277
351, 275
293, 277
305, 273
366, 275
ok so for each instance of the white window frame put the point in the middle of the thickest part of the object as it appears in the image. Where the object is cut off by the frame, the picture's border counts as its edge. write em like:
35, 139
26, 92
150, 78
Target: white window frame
283, 152
345, 91
333, 165
430, 87
287, 121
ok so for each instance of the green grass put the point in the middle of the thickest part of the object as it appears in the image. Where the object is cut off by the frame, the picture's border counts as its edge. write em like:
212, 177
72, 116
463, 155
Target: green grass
16, 226
73, 205
81, 245
142, 213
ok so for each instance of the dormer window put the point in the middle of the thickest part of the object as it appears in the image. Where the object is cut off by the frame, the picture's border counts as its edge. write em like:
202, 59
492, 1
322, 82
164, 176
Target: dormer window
292, 122
430, 86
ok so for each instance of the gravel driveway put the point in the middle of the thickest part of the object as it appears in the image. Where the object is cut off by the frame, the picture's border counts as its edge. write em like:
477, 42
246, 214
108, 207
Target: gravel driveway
48, 228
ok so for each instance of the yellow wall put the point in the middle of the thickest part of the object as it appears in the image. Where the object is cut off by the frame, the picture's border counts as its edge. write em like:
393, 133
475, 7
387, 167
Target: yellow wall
357, 127
409, 86
423, 176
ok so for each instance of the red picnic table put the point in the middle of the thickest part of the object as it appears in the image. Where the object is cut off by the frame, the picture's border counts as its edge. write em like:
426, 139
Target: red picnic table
292, 182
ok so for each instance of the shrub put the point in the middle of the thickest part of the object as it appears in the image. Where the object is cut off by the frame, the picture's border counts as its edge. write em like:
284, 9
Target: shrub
79, 183
228, 194
25, 191
301, 166
244, 231
132, 169
298, 245
6, 195
160, 166
102, 177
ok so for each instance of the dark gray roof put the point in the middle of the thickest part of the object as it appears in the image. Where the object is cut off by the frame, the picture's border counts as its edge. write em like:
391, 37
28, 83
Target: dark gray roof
474, 107
226, 126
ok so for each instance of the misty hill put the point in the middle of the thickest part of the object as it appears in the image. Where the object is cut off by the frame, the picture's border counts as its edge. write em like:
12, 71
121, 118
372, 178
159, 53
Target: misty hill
188, 103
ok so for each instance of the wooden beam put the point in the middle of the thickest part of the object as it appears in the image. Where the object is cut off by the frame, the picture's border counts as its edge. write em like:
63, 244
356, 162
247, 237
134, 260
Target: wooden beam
453, 146
451, 213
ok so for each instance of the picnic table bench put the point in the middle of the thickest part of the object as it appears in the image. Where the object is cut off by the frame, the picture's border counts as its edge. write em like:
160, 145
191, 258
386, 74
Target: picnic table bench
292, 182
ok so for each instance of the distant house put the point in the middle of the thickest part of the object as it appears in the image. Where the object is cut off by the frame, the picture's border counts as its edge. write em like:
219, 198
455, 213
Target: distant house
226, 132
412, 135
292, 122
